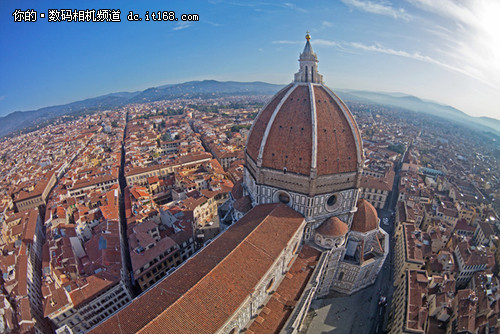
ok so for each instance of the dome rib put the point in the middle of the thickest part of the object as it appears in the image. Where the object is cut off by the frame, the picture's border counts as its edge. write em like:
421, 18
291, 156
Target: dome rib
289, 142
271, 122
314, 127
352, 122
260, 123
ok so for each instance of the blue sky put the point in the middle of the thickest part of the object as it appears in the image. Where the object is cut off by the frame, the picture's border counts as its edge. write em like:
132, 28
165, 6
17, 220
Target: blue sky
446, 51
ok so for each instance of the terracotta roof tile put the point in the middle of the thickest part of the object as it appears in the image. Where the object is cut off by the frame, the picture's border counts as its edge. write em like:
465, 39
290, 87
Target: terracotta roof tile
260, 123
279, 308
336, 145
333, 227
365, 219
290, 140
289, 143
201, 295
237, 190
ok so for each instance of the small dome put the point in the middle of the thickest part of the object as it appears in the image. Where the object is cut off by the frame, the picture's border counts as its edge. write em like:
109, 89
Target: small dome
365, 219
333, 227
243, 205
237, 190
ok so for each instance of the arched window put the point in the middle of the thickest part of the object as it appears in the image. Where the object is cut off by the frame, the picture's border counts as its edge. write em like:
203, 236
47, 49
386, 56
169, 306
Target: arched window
270, 285
341, 276
306, 74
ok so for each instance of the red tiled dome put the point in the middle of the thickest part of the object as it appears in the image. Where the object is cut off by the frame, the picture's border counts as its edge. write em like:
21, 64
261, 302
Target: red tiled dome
243, 205
306, 126
333, 227
237, 190
365, 219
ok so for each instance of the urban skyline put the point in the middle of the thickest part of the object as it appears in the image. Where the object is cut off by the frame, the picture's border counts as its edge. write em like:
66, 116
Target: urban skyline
232, 214
446, 51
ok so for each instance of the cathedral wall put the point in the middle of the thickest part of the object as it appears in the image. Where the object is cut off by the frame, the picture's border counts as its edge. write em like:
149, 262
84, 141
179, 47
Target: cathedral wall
299, 314
314, 208
250, 185
346, 277
330, 271
336, 182
252, 305
304, 184
351, 277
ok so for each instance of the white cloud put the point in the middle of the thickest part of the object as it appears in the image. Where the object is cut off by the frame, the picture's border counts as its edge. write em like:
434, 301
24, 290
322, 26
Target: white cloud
466, 70
470, 32
294, 7
322, 42
215, 24
378, 7
447, 8
327, 24
325, 42
182, 25
287, 42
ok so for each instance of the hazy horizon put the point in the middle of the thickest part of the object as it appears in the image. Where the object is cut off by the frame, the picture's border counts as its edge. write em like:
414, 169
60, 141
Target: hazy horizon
443, 52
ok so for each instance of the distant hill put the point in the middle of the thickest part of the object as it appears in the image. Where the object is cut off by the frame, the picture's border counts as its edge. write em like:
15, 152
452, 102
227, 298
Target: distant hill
428, 107
211, 88
208, 88
22, 119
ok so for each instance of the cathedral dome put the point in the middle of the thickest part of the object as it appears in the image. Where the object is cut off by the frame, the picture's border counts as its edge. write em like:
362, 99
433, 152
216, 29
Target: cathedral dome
306, 130
365, 219
306, 127
333, 227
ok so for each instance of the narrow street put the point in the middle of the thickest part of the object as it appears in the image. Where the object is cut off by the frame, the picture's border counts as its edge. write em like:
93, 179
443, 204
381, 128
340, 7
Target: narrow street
127, 267
387, 270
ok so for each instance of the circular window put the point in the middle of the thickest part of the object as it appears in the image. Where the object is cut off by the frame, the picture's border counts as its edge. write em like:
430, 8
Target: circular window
331, 200
284, 198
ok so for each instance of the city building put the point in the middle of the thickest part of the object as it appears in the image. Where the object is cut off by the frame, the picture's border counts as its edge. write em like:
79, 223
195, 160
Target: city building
409, 311
469, 260
409, 251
